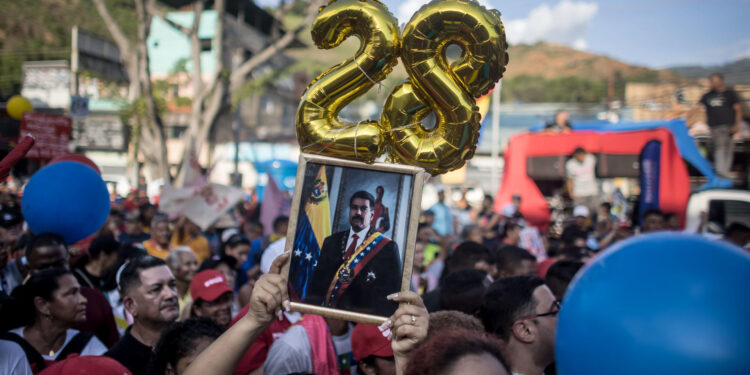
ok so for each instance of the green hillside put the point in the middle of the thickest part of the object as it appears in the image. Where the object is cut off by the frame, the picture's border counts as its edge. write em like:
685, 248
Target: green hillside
40, 30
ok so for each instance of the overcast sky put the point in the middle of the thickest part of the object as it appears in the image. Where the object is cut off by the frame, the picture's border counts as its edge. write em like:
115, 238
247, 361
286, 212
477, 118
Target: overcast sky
654, 33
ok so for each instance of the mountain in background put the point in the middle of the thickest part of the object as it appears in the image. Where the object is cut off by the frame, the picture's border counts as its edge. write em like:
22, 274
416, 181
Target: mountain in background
546, 72
552, 61
736, 72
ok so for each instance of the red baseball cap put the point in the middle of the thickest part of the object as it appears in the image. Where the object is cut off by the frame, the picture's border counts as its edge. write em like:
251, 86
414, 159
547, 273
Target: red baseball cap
367, 340
208, 285
88, 364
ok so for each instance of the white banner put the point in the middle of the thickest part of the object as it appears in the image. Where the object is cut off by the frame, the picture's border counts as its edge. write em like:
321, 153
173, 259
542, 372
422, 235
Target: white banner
203, 205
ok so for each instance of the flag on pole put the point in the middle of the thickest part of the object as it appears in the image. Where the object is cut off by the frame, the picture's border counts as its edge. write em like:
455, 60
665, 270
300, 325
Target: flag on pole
313, 226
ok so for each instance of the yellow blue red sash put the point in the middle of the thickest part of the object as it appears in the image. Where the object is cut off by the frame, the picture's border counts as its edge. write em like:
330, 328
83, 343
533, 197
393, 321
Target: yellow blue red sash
350, 268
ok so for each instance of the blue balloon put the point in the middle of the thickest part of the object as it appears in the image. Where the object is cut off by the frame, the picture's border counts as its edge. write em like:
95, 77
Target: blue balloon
66, 198
658, 304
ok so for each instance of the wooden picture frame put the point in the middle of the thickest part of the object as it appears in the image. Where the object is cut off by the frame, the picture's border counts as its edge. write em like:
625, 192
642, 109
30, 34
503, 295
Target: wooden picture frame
327, 207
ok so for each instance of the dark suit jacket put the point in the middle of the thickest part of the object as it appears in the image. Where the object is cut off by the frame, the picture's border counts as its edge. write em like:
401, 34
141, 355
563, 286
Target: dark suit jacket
365, 294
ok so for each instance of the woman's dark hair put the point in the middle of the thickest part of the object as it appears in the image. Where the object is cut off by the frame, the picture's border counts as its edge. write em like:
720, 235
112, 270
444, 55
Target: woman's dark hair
234, 241
105, 243
463, 291
444, 349
465, 256
180, 340
214, 261
41, 284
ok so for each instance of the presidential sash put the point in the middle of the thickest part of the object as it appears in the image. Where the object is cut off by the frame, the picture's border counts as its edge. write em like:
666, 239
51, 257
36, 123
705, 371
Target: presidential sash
351, 267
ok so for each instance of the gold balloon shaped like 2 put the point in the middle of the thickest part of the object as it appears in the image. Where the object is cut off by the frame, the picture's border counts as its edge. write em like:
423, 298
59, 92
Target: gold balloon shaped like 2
319, 129
434, 85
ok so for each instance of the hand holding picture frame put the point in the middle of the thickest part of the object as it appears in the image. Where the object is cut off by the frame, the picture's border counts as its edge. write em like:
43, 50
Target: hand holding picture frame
352, 230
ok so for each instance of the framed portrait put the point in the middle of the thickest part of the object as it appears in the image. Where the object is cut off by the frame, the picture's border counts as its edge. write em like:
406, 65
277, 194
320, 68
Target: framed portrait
352, 230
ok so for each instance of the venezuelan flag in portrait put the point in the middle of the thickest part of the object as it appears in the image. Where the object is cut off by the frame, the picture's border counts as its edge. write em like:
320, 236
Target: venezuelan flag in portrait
313, 226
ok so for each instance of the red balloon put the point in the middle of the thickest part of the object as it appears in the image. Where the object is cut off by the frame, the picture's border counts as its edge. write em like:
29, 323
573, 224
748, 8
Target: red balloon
78, 158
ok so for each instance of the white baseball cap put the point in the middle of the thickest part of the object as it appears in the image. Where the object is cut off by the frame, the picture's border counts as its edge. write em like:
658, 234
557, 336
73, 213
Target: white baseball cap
509, 210
272, 252
581, 211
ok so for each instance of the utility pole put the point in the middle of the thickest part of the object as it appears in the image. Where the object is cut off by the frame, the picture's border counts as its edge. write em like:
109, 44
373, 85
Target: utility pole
236, 178
495, 169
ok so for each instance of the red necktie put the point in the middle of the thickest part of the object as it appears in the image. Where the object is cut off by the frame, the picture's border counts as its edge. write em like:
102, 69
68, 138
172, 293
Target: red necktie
352, 247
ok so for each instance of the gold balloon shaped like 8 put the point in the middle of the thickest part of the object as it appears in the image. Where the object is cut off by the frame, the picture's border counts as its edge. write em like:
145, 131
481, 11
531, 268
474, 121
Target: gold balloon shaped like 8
446, 90
319, 130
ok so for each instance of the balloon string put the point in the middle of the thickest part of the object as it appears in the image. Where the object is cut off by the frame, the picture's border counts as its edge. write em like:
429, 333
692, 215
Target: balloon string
380, 85
403, 127
332, 137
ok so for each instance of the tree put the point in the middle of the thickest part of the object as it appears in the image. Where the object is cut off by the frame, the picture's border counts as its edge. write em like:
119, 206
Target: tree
211, 98
149, 135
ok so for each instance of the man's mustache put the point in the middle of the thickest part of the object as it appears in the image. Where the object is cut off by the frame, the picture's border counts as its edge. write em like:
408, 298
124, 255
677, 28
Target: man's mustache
357, 217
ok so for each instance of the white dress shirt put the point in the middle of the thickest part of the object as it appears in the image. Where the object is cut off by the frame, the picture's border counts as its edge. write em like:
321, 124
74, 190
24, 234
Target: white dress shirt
360, 237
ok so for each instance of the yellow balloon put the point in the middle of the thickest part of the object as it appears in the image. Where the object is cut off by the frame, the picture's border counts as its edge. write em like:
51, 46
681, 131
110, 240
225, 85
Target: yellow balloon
17, 105
319, 130
446, 90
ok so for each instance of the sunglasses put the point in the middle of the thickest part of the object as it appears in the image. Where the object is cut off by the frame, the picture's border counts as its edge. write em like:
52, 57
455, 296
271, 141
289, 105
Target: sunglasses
554, 311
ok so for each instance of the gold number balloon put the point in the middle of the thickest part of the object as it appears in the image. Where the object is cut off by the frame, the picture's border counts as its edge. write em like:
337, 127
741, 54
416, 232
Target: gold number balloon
319, 129
446, 90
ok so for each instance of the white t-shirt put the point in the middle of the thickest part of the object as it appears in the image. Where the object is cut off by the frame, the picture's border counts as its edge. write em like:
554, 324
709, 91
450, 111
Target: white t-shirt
93, 347
292, 352
583, 176
13, 360
343, 346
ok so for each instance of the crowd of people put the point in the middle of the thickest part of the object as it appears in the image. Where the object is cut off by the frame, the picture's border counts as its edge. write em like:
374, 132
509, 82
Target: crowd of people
153, 294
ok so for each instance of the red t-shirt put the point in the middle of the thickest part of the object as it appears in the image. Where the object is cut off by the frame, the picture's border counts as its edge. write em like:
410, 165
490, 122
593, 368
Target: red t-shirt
258, 351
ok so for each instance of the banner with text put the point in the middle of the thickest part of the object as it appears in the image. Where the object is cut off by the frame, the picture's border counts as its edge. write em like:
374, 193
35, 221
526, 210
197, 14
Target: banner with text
52, 133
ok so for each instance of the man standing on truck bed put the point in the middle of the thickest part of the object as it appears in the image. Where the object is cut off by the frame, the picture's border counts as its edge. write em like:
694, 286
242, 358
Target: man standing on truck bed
724, 114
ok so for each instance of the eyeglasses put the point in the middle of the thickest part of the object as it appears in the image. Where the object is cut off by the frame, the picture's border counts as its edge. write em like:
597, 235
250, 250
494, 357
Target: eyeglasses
554, 312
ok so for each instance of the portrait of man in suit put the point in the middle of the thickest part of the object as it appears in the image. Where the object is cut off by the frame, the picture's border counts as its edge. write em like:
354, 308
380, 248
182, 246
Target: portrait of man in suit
357, 267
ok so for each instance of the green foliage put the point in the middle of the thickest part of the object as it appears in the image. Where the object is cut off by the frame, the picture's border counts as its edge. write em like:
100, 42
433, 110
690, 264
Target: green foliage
183, 101
298, 8
180, 66
41, 29
650, 76
570, 89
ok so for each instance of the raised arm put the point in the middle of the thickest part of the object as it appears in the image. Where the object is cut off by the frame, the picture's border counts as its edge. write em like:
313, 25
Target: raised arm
224, 354
408, 327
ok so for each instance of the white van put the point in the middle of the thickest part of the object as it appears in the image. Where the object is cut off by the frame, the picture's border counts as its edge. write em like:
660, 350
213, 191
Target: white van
722, 206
